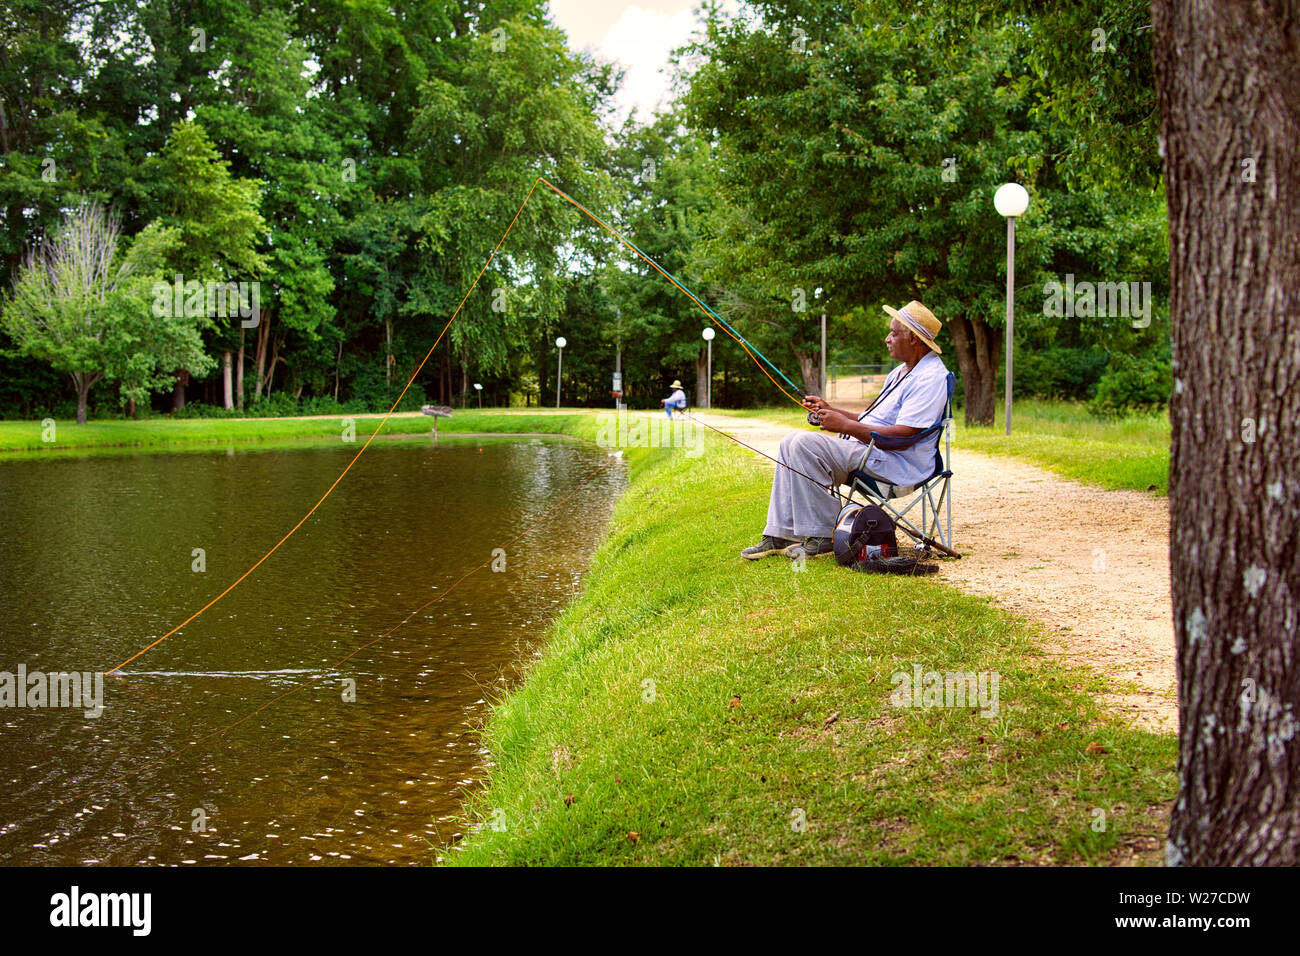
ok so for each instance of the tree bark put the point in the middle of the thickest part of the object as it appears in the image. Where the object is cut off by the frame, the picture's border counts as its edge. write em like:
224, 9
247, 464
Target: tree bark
444, 375
975, 346
239, 371
270, 368
1229, 92
263, 337
337, 361
83, 381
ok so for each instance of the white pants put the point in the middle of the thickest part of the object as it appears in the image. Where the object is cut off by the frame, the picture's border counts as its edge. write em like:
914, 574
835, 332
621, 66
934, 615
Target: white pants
798, 508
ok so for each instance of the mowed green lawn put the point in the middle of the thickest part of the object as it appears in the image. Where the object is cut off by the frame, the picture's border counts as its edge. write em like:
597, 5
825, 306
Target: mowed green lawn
693, 708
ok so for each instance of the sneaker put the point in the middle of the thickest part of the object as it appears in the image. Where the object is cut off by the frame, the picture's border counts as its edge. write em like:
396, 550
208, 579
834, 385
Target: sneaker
809, 548
768, 546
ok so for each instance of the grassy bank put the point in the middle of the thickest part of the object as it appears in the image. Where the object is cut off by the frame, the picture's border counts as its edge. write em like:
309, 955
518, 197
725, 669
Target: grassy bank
23, 439
691, 708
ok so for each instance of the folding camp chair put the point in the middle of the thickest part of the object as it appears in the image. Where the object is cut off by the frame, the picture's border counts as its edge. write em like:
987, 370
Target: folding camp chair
932, 494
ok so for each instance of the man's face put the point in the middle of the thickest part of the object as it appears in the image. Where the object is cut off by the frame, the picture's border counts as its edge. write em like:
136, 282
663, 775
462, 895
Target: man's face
898, 341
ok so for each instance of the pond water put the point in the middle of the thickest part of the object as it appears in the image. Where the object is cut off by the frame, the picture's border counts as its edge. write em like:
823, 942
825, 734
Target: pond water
369, 762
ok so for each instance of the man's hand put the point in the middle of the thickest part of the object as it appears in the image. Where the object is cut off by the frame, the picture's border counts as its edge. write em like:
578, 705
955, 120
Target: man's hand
813, 403
834, 420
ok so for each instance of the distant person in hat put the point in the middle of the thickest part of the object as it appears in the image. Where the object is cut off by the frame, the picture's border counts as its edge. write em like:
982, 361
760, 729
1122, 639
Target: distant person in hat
801, 516
676, 400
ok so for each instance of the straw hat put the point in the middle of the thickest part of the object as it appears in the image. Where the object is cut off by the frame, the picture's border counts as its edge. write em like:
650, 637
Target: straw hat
676, 383
920, 320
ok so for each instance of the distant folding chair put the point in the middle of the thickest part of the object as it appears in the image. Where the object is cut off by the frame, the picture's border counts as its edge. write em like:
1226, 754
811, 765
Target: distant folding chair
932, 494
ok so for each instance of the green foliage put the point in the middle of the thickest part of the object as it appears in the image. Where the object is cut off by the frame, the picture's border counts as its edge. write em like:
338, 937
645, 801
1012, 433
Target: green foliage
85, 307
362, 161
215, 215
1059, 372
1132, 385
1093, 59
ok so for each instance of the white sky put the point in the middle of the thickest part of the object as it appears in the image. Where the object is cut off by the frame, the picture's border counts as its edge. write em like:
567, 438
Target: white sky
640, 35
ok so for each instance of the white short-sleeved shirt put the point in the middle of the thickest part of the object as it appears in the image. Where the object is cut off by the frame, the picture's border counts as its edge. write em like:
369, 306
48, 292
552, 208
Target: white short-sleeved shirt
916, 402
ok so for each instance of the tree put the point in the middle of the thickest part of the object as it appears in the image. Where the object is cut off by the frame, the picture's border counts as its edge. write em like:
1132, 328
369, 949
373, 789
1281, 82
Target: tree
217, 222
86, 309
1229, 95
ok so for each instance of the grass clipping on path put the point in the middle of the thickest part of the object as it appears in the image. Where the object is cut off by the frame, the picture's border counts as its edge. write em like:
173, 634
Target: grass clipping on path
694, 708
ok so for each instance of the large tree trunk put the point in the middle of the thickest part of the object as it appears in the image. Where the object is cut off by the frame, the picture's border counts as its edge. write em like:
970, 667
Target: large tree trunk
975, 346
1229, 92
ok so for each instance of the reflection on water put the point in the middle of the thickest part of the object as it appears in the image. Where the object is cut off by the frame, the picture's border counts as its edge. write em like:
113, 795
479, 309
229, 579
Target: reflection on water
367, 763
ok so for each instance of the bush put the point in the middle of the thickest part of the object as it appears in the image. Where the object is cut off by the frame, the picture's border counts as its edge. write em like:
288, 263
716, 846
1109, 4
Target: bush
1059, 372
1132, 385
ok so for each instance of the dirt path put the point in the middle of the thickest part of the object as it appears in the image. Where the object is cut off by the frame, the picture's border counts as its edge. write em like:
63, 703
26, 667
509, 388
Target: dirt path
1090, 564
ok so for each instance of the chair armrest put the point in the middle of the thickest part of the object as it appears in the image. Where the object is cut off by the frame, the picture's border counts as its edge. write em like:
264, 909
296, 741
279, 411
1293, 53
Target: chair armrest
896, 442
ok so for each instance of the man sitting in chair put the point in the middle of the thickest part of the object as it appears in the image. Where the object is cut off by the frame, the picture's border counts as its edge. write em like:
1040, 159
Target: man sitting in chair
800, 515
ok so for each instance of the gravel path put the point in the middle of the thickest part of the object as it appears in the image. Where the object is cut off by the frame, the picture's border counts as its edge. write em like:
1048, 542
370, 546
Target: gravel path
1091, 565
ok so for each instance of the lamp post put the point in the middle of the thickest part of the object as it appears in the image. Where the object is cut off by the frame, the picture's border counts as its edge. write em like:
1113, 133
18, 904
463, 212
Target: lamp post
479, 388
1011, 200
708, 394
560, 343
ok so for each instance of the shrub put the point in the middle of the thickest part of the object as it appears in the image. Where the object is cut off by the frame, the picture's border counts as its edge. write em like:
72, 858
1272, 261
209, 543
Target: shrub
1132, 385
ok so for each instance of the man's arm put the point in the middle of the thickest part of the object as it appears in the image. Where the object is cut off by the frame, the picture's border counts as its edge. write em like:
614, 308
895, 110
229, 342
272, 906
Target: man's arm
834, 420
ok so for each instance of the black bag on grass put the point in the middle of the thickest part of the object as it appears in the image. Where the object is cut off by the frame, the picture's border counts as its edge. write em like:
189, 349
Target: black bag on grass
865, 540
862, 531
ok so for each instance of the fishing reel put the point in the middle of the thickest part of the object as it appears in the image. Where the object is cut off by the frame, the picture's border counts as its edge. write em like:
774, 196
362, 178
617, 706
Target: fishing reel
813, 418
